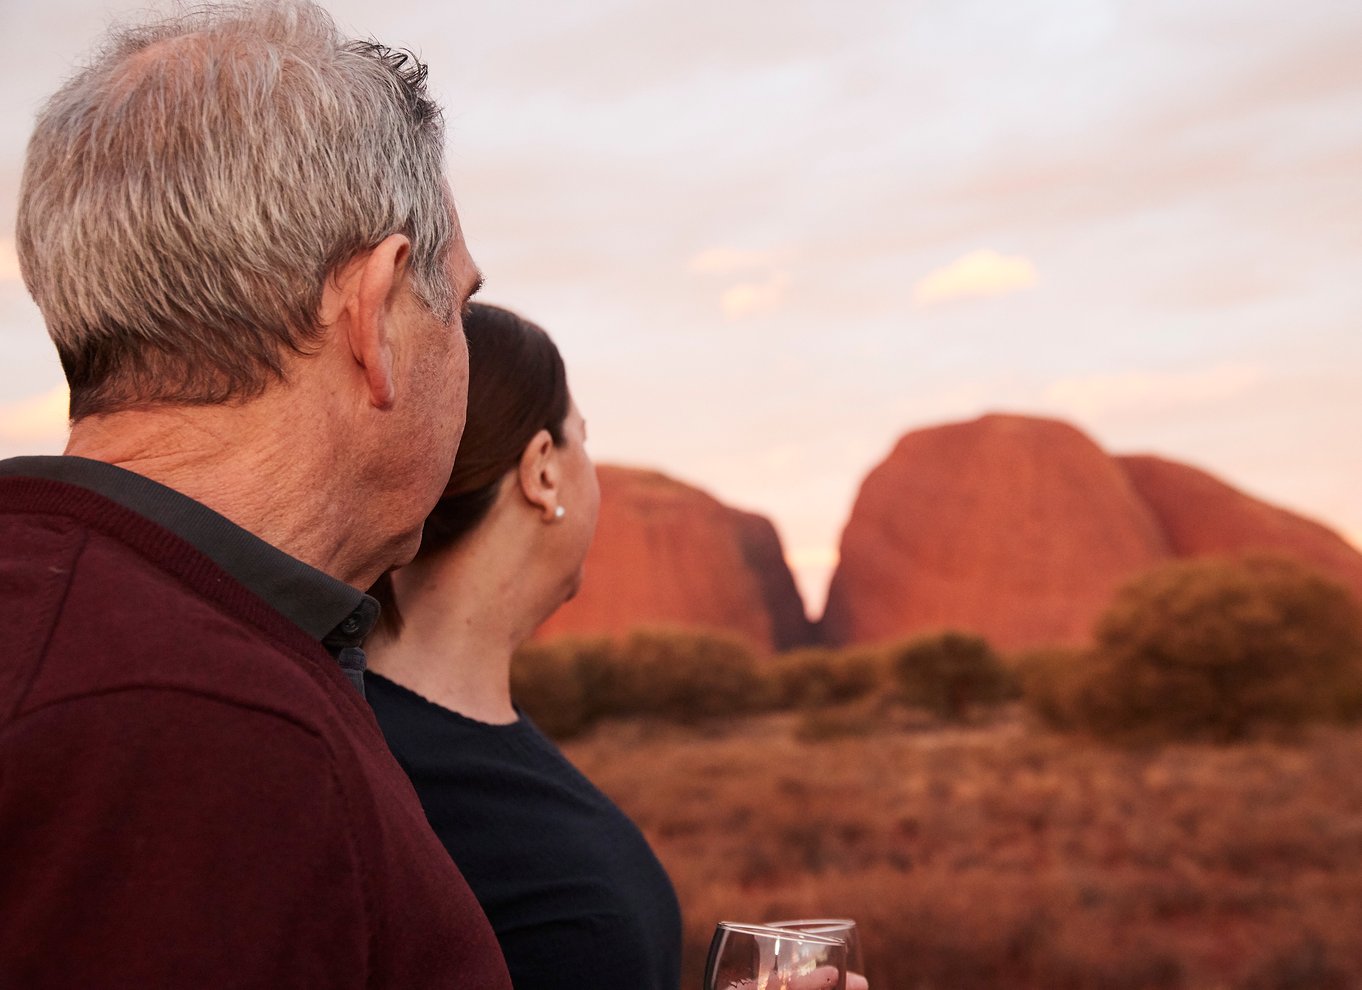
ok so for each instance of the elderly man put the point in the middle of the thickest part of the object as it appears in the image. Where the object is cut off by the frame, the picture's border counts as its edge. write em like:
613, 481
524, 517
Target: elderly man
236, 225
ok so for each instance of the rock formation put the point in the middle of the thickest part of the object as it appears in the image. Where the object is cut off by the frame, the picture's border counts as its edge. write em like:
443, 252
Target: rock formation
1013, 527
667, 554
1020, 529
1016, 528
765, 558
1200, 514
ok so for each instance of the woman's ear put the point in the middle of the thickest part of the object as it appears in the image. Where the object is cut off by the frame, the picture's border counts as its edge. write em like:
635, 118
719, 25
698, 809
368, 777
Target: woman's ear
539, 475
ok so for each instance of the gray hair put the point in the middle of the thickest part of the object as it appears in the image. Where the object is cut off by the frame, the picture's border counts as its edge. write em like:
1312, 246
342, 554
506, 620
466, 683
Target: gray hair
187, 194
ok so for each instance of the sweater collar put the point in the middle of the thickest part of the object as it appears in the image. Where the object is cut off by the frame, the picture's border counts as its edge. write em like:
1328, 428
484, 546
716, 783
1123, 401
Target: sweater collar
327, 609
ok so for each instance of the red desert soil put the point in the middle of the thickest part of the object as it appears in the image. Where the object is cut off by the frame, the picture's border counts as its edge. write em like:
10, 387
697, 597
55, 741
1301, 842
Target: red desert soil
1007, 858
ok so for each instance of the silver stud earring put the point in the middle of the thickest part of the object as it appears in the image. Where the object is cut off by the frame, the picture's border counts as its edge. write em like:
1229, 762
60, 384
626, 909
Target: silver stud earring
559, 512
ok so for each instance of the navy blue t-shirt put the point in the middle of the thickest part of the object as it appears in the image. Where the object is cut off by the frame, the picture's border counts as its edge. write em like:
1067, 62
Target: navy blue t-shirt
573, 891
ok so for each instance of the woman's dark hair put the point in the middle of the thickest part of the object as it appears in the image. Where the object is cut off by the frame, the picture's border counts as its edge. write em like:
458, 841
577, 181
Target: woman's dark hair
517, 386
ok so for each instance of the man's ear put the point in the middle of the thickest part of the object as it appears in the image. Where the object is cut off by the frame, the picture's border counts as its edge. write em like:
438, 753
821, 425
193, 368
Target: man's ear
538, 475
372, 290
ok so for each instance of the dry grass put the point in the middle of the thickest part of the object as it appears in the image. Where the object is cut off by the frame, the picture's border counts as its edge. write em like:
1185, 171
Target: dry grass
1002, 856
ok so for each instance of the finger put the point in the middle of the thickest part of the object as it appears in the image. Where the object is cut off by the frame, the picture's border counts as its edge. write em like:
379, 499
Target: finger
855, 981
822, 978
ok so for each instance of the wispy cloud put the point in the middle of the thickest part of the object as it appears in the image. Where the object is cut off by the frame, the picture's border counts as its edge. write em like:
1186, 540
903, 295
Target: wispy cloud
765, 283
977, 274
36, 418
1098, 395
729, 261
756, 298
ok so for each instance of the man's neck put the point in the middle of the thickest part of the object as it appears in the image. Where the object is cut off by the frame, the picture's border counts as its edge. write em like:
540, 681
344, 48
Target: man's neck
275, 479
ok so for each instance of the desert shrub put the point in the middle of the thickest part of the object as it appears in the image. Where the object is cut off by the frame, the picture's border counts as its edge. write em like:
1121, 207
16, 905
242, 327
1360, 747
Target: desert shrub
1055, 684
682, 676
996, 859
856, 719
1221, 649
819, 676
570, 683
555, 683
950, 673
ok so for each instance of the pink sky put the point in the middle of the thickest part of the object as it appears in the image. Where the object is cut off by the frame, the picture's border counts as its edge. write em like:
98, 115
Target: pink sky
770, 239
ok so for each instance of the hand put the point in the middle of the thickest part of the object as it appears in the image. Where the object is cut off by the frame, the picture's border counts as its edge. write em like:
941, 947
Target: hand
823, 978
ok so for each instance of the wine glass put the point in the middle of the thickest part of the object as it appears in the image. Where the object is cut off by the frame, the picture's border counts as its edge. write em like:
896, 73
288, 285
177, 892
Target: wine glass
843, 928
755, 957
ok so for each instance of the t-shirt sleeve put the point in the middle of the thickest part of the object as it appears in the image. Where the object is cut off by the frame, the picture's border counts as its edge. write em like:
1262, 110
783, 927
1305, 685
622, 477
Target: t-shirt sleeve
161, 838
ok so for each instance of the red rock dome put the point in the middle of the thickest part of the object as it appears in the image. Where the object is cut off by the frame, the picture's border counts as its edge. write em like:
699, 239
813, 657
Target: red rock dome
667, 554
1200, 514
1019, 529
1016, 528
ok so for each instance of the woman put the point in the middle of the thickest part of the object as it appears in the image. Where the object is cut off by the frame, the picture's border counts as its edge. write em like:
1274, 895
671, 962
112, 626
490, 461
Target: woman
577, 898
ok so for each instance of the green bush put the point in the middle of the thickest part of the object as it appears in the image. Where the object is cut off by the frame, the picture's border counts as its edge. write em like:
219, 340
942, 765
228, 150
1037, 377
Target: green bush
950, 674
684, 676
554, 683
568, 684
1222, 649
819, 676
1056, 684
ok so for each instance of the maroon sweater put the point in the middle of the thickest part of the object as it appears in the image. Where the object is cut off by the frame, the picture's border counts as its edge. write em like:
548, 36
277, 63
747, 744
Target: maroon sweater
191, 793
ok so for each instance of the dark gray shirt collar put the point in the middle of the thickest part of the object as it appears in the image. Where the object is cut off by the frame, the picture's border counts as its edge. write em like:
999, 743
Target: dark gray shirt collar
337, 614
